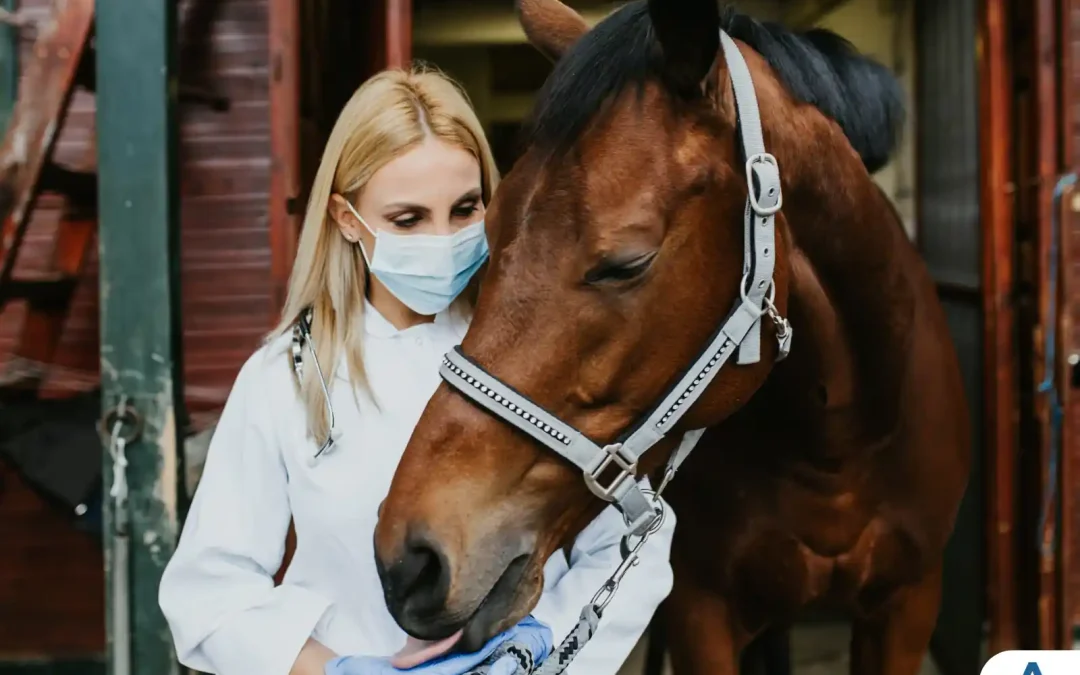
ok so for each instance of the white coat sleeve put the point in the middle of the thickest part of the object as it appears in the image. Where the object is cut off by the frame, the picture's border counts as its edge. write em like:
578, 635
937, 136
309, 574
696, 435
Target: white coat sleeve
217, 592
593, 558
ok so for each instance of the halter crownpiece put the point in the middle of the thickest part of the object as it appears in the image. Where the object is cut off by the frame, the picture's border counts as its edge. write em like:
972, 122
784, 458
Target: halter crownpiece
740, 332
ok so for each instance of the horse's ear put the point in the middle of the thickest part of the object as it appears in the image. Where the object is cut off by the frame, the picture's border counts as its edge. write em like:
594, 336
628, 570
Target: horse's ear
551, 26
689, 35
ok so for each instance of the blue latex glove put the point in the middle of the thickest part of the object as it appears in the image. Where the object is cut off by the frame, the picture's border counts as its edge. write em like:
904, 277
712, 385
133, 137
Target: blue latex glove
530, 634
521, 653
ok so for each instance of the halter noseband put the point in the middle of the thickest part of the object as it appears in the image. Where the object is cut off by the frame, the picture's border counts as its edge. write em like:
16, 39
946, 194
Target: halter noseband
740, 332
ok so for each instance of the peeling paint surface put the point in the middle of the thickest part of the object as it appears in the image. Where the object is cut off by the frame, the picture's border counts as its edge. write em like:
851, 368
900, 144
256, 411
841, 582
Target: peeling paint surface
139, 289
168, 476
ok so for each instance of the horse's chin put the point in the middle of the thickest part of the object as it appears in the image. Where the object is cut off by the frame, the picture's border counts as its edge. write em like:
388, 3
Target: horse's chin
506, 603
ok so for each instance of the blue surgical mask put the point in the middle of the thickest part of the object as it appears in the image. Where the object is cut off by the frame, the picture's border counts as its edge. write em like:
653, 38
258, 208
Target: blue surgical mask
426, 272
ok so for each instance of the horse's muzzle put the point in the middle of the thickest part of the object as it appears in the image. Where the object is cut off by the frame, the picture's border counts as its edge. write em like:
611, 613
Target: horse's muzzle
417, 587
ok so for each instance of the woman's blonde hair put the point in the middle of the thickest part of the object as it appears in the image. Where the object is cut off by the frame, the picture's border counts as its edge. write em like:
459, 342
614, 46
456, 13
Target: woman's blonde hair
388, 115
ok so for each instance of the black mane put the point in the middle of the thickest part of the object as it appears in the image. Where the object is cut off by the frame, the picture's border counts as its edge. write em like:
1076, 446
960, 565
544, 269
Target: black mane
818, 67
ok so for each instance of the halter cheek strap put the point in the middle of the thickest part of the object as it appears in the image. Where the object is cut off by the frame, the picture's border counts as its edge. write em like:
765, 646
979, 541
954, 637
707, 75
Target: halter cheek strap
740, 332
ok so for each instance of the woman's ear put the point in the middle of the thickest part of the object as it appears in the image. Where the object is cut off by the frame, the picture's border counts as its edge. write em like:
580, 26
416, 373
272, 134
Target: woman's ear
347, 222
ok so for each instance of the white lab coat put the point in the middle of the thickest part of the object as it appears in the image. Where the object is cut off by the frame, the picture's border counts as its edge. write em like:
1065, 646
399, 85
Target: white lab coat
217, 591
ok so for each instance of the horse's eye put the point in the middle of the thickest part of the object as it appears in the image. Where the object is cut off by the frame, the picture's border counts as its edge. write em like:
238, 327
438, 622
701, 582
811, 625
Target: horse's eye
616, 270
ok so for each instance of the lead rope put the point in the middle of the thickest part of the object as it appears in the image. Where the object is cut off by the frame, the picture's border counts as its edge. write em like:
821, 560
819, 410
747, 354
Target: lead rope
563, 655
560, 659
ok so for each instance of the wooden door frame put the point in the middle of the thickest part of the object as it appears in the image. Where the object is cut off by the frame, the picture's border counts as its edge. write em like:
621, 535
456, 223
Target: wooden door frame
139, 276
1030, 601
390, 46
1068, 319
284, 211
1000, 374
1046, 172
397, 15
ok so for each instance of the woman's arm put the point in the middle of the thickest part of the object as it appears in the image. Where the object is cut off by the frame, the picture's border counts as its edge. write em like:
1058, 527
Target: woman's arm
217, 591
594, 556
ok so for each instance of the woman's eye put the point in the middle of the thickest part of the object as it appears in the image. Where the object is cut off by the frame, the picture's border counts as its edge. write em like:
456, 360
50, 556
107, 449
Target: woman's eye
406, 222
464, 211
619, 270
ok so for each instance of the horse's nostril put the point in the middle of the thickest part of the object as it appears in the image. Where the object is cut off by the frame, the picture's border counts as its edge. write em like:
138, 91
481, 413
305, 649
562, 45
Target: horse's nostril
420, 570
418, 582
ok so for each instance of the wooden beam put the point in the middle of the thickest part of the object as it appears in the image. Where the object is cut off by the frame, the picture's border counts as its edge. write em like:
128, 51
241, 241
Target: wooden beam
997, 190
399, 28
1068, 365
140, 327
285, 209
1046, 158
9, 66
1069, 331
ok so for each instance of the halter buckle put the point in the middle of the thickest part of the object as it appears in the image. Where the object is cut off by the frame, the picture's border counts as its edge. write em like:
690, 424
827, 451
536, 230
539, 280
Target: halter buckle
608, 455
762, 158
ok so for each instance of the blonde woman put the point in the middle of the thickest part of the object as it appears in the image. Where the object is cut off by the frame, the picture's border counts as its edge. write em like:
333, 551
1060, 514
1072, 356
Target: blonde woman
319, 416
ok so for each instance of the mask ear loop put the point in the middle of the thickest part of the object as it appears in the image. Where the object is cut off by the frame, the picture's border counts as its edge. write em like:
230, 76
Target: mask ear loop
367, 227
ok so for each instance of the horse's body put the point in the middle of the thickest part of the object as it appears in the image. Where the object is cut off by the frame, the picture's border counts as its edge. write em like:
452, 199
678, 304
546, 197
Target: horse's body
838, 481
831, 477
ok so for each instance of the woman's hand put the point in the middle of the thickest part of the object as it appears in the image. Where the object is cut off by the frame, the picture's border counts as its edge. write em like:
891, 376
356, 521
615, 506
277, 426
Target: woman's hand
312, 659
511, 652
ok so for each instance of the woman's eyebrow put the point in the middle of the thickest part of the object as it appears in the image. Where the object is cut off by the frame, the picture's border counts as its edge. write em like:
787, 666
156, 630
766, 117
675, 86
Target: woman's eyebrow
406, 206
471, 194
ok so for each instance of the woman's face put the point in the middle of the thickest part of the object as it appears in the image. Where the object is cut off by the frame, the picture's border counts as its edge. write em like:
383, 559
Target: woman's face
434, 188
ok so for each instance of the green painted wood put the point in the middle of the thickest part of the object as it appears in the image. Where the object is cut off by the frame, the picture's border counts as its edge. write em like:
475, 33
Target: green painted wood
139, 287
9, 67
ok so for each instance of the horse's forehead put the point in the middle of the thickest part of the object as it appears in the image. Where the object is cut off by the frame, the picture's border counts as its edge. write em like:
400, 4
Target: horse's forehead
633, 155
643, 140
637, 124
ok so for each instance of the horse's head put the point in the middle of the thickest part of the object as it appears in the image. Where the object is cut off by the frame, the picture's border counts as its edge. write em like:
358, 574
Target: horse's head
617, 251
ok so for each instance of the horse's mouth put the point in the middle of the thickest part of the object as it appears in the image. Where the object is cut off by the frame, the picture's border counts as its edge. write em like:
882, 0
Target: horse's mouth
495, 607
470, 635
417, 651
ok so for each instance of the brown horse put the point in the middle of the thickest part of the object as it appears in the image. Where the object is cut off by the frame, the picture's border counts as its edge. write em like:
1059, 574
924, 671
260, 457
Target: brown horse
833, 476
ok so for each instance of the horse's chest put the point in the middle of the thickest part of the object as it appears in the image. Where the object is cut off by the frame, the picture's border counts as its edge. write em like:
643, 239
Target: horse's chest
775, 573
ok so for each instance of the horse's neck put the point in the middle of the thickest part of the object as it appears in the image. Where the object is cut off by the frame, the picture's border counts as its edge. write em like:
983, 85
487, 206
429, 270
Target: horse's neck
852, 296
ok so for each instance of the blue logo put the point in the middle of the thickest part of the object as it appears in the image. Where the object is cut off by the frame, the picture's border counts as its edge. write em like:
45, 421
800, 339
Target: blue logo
1034, 662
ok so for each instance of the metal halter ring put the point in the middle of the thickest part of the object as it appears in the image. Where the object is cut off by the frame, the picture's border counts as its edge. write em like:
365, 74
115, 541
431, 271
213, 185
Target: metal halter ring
127, 417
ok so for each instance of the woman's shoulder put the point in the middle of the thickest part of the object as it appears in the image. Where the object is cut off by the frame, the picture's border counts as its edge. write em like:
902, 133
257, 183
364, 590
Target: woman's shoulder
268, 371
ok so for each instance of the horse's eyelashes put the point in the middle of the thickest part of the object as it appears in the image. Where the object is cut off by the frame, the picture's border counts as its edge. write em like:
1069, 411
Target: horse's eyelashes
616, 270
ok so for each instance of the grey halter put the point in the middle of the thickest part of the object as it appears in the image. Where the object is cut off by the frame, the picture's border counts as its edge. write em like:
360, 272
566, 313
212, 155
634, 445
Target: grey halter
740, 332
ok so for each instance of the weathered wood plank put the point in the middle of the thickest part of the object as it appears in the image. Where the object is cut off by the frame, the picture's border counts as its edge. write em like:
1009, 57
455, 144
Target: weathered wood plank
139, 287
37, 117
